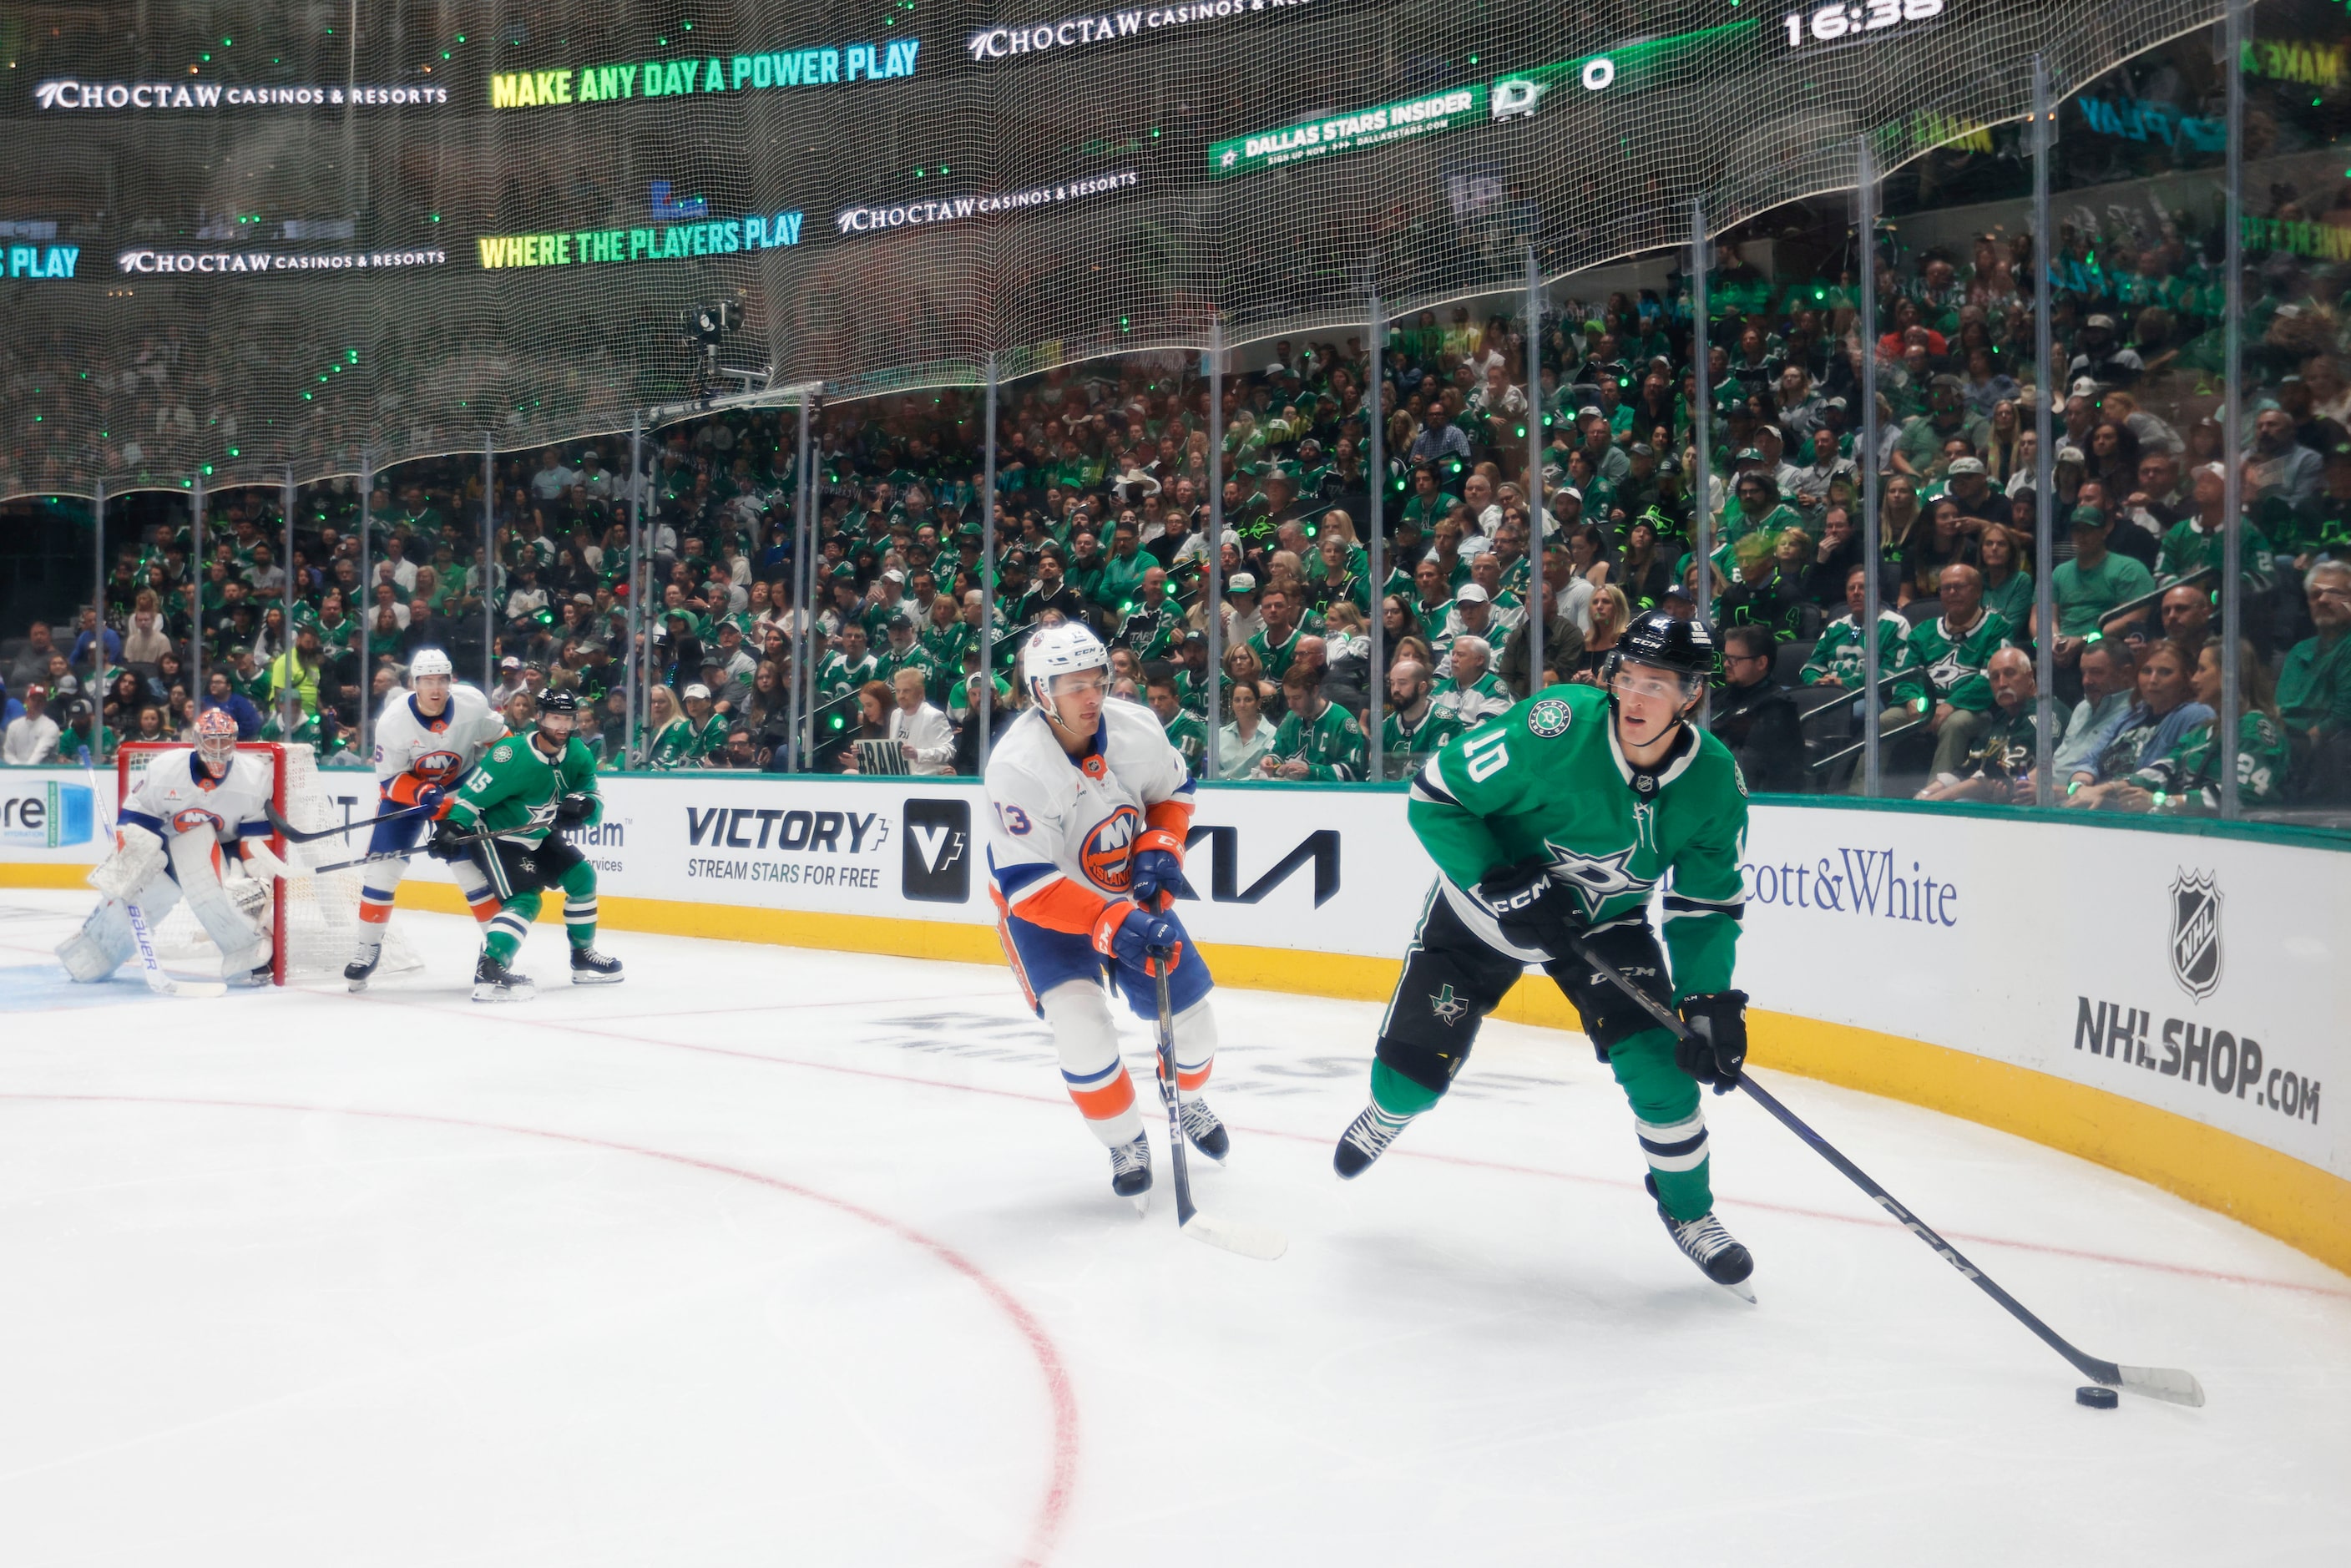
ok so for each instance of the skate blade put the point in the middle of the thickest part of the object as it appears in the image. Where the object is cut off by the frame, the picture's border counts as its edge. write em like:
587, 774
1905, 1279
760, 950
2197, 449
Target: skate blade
1743, 1291
1237, 1236
1142, 1201
581, 977
494, 994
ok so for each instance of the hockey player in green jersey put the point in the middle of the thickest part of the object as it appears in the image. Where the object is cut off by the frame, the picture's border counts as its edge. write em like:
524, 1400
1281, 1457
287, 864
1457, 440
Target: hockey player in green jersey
1558, 819
525, 791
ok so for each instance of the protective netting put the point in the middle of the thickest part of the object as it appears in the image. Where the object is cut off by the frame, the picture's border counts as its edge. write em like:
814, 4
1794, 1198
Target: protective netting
240, 238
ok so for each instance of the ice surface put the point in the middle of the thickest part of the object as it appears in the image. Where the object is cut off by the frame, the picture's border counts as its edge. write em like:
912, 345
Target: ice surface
787, 1258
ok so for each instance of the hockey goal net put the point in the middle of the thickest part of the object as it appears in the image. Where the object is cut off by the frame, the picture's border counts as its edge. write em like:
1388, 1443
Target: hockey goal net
314, 921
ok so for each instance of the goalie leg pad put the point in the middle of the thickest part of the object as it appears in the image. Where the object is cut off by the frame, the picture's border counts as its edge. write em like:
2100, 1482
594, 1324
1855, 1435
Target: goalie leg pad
1096, 1078
102, 945
1451, 980
243, 940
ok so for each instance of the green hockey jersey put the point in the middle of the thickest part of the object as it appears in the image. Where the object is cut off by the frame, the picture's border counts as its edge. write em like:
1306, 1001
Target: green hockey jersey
1840, 653
1548, 781
1949, 669
513, 790
1406, 746
1331, 746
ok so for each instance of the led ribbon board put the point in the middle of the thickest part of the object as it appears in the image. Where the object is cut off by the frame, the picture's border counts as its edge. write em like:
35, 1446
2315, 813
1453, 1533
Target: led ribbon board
673, 242
830, 65
1001, 42
1370, 126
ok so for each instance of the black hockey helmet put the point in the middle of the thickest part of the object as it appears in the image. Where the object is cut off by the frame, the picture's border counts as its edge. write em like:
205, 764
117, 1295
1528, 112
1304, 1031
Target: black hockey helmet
559, 702
1661, 638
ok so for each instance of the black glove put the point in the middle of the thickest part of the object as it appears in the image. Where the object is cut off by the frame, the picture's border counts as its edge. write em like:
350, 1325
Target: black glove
1717, 1047
1532, 910
448, 842
573, 809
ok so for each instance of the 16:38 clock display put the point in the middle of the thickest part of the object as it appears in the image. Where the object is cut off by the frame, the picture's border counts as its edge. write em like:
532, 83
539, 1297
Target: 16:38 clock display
1854, 18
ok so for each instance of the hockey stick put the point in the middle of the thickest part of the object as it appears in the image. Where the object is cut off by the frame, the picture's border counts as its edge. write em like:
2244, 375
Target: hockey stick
370, 859
151, 967
294, 835
1232, 1235
2165, 1382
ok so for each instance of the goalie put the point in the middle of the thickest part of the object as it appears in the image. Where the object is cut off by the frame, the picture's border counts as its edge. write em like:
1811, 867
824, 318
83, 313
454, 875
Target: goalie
193, 808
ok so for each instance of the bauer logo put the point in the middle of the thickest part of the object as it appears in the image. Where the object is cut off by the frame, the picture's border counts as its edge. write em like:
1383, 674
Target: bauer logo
48, 815
936, 852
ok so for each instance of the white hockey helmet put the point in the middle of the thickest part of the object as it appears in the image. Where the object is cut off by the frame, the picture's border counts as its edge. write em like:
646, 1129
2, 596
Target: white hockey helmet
430, 662
216, 739
1064, 650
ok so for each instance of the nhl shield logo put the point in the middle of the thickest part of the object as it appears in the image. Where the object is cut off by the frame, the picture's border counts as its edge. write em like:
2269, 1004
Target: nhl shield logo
2196, 932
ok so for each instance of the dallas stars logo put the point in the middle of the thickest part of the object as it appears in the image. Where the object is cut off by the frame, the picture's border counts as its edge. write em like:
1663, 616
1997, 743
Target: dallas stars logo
1448, 1006
1596, 879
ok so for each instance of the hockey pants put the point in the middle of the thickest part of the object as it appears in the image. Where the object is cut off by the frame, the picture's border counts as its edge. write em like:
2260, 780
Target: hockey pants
513, 875
1062, 975
1452, 979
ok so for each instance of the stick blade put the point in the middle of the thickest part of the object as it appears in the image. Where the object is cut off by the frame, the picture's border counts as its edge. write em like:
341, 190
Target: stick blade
1237, 1236
2168, 1384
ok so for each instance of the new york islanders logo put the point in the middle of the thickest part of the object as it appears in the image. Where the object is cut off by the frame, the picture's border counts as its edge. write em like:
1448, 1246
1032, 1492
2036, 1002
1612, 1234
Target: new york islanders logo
437, 766
1108, 848
188, 818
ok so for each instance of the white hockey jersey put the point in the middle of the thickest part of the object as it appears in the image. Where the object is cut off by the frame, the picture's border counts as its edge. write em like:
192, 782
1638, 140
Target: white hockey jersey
1063, 830
411, 751
174, 797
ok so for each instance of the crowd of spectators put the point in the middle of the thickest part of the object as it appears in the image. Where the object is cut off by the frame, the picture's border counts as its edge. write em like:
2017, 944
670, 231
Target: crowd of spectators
1103, 515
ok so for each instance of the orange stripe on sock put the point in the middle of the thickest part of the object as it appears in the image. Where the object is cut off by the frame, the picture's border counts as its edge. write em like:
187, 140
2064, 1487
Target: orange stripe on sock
1114, 1098
374, 914
1185, 1079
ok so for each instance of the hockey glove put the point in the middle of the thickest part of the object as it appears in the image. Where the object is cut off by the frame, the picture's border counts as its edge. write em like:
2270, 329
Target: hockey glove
1137, 936
1532, 910
432, 800
573, 809
448, 843
1717, 1047
1157, 881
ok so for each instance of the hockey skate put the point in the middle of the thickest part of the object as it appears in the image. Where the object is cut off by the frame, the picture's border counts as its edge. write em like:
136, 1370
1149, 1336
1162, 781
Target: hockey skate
493, 982
1207, 1133
1130, 1171
357, 973
1367, 1137
1705, 1242
589, 968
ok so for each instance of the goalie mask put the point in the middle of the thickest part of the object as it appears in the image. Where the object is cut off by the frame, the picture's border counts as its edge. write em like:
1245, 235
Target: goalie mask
215, 741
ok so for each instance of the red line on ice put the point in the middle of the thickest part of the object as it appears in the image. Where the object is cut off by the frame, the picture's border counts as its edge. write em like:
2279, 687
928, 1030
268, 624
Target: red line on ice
2186, 1270
1045, 1530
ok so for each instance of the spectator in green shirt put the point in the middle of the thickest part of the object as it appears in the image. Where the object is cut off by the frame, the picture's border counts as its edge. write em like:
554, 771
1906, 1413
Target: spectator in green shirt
1319, 741
2314, 692
2091, 584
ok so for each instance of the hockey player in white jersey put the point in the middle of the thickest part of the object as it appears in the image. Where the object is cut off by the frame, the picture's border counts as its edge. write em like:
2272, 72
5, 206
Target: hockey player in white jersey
1091, 808
425, 740
191, 808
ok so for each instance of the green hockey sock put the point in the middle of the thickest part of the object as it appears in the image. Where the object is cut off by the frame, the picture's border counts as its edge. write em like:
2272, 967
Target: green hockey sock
509, 926
1397, 1098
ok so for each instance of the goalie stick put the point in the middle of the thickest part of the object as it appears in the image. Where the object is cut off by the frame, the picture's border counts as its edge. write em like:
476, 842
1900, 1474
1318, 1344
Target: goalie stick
152, 968
2165, 1382
294, 835
1232, 1235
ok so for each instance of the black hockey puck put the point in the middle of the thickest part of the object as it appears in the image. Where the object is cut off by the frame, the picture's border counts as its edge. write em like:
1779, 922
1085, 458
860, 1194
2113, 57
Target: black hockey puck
2095, 1397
